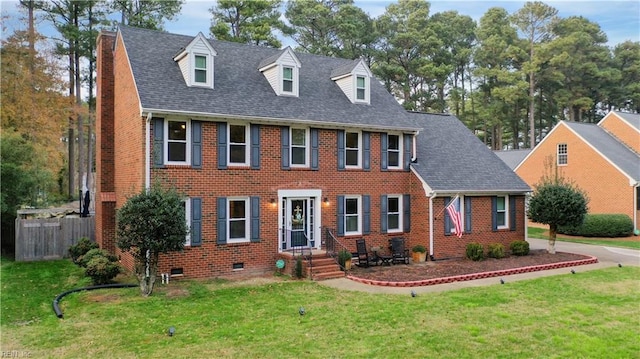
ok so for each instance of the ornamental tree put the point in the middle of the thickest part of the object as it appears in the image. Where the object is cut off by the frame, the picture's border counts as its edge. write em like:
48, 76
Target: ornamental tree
557, 203
150, 223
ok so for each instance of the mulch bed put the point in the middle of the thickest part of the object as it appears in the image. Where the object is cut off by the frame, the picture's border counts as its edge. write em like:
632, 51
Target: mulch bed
456, 267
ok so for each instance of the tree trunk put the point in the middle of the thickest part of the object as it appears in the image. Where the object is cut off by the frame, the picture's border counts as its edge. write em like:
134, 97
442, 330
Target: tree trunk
146, 269
553, 230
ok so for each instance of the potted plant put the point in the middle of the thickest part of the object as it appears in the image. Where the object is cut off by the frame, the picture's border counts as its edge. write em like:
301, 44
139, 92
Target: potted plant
419, 253
344, 259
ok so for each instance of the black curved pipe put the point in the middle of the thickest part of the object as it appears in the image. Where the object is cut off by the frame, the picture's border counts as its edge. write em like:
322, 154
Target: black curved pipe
56, 308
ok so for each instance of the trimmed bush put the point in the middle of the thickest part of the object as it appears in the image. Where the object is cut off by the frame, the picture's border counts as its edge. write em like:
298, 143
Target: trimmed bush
495, 250
85, 259
102, 270
601, 225
419, 248
475, 252
519, 248
81, 248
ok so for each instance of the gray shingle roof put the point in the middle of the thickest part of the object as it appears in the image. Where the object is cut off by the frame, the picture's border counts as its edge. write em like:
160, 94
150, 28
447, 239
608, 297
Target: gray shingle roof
609, 146
512, 157
632, 118
344, 69
452, 159
241, 90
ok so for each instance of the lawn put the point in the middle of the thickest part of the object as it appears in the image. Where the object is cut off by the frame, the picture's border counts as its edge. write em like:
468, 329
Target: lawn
535, 232
591, 314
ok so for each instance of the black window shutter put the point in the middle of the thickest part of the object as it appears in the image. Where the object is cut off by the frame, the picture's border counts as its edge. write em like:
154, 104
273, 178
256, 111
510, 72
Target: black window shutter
341, 149
384, 155
315, 146
406, 207
255, 147
222, 145
222, 220
255, 219
512, 213
467, 214
196, 144
384, 214
494, 213
196, 222
408, 139
447, 222
158, 142
284, 143
340, 215
366, 151
366, 214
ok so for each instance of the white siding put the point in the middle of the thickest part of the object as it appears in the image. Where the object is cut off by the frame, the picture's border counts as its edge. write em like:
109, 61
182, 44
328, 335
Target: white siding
272, 76
346, 85
184, 68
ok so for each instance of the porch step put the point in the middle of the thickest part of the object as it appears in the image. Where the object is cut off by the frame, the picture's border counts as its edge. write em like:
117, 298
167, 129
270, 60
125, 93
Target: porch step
324, 267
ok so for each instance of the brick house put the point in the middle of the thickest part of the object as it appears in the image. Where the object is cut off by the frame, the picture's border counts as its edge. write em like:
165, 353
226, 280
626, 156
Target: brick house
276, 150
602, 159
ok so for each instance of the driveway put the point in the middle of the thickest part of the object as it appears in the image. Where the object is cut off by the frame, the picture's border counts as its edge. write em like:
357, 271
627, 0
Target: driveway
605, 255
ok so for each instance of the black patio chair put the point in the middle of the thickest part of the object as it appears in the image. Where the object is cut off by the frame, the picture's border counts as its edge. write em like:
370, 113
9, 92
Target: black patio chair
363, 254
399, 253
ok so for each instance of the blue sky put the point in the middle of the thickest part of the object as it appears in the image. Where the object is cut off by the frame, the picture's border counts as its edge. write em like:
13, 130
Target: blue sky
620, 20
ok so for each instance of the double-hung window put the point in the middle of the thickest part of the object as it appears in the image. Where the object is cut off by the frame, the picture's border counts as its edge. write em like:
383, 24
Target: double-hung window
238, 220
177, 142
352, 215
394, 213
562, 154
287, 79
352, 149
501, 212
299, 147
200, 69
361, 88
394, 151
238, 145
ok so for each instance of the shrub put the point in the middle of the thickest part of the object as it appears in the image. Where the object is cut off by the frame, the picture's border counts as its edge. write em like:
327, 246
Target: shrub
419, 248
601, 225
102, 270
475, 252
85, 259
299, 267
81, 248
519, 248
343, 257
495, 250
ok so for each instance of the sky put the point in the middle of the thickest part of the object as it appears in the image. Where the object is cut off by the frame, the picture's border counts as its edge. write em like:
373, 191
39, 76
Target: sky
620, 20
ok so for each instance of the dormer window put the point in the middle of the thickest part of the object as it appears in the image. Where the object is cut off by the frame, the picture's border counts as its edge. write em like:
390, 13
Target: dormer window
354, 80
196, 62
361, 88
282, 71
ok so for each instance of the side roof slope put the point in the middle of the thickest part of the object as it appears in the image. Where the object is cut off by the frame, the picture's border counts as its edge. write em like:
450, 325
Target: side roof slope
452, 159
241, 90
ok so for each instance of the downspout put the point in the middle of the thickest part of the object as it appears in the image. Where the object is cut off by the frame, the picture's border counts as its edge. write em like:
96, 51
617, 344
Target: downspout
147, 152
431, 198
635, 208
526, 220
414, 150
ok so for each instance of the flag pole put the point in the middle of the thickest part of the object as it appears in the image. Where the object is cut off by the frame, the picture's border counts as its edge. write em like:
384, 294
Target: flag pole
445, 207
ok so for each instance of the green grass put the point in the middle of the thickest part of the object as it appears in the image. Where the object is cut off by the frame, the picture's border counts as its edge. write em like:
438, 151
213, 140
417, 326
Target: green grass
535, 232
587, 315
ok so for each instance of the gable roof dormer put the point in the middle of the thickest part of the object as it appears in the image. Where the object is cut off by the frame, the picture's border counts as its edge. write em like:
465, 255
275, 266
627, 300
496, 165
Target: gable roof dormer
196, 62
354, 80
282, 70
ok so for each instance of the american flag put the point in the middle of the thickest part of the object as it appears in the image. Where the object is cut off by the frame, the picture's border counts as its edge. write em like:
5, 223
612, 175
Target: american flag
453, 208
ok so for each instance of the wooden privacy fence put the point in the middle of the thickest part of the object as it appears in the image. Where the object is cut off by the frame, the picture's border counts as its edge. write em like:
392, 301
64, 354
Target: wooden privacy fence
50, 238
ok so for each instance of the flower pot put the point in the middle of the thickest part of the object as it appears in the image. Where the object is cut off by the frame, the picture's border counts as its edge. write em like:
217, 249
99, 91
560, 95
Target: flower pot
347, 264
419, 257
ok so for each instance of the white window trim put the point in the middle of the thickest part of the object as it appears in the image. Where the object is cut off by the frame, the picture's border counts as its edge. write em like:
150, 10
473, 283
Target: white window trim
366, 89
400, 151
187, 217
506, 213
294, 78
306, 146
247, 152
565, 154
359, 216
346, 149
400, 214
247, 222
187, 160
209, 70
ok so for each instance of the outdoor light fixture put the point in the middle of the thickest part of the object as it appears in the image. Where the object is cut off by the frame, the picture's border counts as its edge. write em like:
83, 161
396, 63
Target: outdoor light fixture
326, 200
273, 202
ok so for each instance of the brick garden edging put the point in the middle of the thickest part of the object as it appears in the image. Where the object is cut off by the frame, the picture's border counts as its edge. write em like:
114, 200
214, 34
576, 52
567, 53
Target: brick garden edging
473, 276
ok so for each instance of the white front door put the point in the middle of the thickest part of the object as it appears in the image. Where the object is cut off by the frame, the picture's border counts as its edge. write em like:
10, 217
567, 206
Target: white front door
299, 220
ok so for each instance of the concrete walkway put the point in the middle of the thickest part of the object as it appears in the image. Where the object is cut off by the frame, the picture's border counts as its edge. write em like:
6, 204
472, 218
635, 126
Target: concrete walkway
607, 257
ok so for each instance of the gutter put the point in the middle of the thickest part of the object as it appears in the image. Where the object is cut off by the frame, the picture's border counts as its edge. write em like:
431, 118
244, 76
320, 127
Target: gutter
431, 198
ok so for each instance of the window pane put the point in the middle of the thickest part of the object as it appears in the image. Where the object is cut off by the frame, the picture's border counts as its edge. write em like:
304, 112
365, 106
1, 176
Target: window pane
352, 158
287, 73
298, 156
201, 62
237, 209
500, 218
351, 224
360, 94
351, 206
177, 151
500, 204
394, 142
360, 80
237, 134
352, 140
237, 153
298, 137
394, 159
394, 221
237, 229
201, 76
287, 86
393, 205
177, 130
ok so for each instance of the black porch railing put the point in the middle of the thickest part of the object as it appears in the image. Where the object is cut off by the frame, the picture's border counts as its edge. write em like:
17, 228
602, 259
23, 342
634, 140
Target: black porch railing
333, 246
